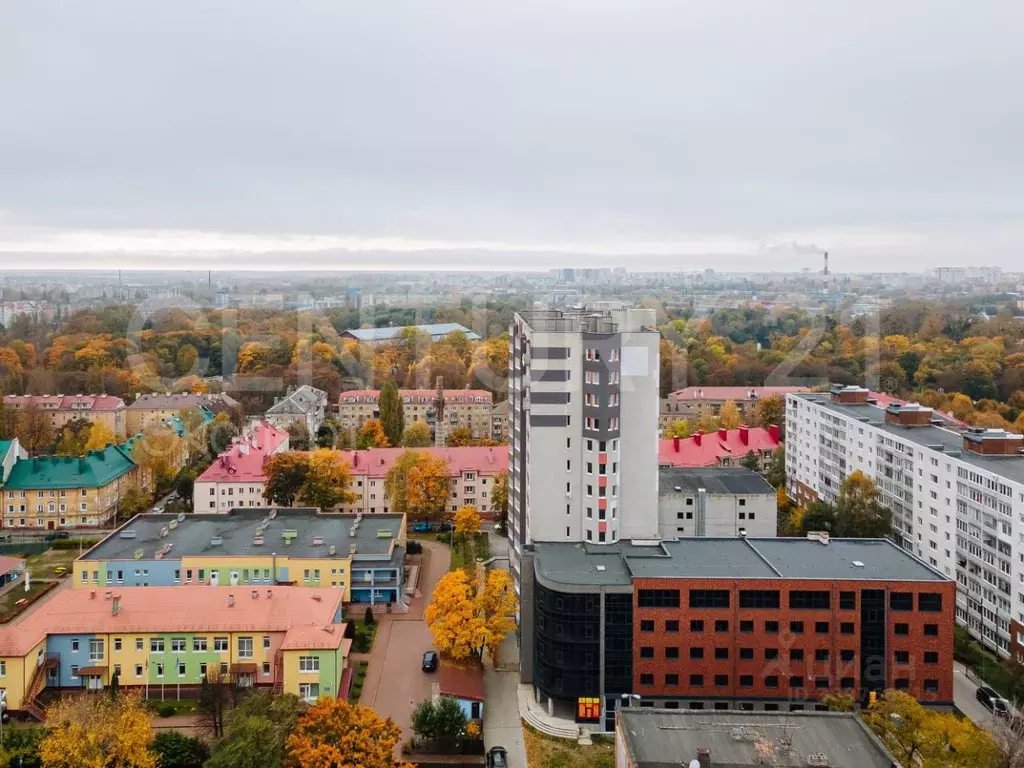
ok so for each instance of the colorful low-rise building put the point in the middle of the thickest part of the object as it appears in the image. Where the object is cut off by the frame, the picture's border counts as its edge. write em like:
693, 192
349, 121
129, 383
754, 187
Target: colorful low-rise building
163, 639
361, 557
53, 492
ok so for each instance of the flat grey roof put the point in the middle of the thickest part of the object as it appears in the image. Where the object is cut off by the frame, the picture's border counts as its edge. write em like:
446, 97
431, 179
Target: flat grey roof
658, 738
237, 529
930, 436
729, 558
714, 480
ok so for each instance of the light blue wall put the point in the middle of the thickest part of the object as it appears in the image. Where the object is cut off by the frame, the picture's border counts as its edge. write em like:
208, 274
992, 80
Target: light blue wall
153, 573
467, 707
62, 644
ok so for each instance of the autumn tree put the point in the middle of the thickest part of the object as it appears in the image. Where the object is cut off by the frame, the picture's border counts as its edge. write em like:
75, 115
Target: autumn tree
298, 436
131, 502
286, 475
678, 428
34, 429
467, 524
498, 603
392, 413
175, 750
770, 411
499, 500
96, 732
706, 421
70, 443
858, 513
776, 473
460, 437
416, 435
158, 450
255, 731
371, 435
418, 484
729, 415
442, 721
327, 481
751, 462
100, 436
335, 734
254, 356
466, 618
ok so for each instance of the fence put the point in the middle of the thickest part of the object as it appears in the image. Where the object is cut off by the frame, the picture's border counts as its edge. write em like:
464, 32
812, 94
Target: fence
24, 548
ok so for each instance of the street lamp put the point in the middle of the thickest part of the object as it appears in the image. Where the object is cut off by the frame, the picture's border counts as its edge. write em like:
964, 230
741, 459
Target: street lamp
629, 698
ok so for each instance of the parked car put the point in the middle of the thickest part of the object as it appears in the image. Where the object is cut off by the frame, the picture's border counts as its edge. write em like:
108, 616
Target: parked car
993, 702
430, 661
421, 527
56, 535
497, 757
158, 510
60, 570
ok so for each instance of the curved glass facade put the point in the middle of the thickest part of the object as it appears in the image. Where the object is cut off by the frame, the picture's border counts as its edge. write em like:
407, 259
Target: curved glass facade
567, 643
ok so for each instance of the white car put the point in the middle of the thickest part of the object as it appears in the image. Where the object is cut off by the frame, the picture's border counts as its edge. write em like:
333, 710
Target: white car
158, 510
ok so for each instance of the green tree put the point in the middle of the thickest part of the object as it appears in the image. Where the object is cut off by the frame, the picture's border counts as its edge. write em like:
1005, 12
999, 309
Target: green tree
20, 747
327, 482
286, 474
255, 731
858, 513
776, 474
131, 502
751, 462
443, 721
416, 435
176, 750
392, 412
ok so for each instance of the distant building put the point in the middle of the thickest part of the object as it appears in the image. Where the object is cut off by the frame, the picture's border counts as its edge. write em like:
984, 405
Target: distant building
158, 408
10, 452
658, 738
61, 409
724, 447
499, 422
687, 404
306, 405
715, 501
236, 477
380, 337
469, 408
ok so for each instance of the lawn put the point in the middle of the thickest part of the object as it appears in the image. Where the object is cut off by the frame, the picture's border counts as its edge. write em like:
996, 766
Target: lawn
466, 553
8, 599
545, 752
41, 566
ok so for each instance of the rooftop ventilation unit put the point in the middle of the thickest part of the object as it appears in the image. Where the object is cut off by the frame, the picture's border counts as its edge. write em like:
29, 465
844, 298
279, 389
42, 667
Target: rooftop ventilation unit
318, 541
858, 564
257, 541
216, 541
163, 531
351, 549
272, 514
138, 553
173, 524
332, 549
383, 533
181, 517
128, 533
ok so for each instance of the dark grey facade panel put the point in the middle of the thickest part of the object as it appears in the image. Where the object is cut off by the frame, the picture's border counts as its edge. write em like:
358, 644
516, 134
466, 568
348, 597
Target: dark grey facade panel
549, 398
539, 420
560, 374
550, 353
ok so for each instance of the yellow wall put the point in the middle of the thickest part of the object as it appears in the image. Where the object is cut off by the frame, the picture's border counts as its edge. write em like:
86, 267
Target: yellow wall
100, 504
19, 674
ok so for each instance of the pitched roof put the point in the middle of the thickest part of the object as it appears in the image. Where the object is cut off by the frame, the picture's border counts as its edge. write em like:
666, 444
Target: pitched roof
67, 402
732, 393
8, 564
178, 401
434, 329
314, 637
425, 396
97, 468
461, 682
375, 462
244, 459
714, 480
305, 399
176, 609
707, 450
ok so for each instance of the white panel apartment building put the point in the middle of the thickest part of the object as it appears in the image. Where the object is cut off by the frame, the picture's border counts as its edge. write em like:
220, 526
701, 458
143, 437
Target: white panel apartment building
583, 427
957, 496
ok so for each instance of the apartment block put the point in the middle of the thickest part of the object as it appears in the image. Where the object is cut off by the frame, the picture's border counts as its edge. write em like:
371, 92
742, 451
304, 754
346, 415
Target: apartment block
688, 404
717, 501
583, 426
159, 408
956, 494
303, 405
163, 641
236, 477
721, 448
106, 409
734, 624
470, 408
360, 556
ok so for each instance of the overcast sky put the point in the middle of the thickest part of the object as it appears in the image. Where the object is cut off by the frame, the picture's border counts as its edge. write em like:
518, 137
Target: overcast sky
675, 134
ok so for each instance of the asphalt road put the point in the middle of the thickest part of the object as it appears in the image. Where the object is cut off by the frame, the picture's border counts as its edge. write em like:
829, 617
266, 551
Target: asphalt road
965, 698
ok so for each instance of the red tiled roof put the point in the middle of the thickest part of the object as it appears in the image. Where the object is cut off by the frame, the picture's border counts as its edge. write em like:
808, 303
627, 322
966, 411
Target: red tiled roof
310, 638
243, 461
425, 396
732, 393
461, 682
65, 402
174, 609
375, 462
713, 447
8, 564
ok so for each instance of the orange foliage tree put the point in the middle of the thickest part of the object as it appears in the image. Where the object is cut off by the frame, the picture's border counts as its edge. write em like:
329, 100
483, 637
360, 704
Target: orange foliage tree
335, 734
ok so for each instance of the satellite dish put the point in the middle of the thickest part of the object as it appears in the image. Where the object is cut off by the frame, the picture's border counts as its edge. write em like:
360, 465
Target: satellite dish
694, 764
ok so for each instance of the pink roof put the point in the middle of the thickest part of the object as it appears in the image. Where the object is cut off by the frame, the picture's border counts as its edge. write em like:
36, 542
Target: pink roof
714, 446
308, 638
375, 462
732, 393
65, 402
461, 682
243, 461
8, 564
176, 609
422, 395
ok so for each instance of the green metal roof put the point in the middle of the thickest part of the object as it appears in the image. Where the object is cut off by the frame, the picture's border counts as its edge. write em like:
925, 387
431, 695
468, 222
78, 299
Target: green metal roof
5, 446
94, 470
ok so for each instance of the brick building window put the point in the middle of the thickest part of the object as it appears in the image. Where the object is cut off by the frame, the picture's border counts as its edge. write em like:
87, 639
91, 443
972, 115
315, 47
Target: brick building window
901, 601
646, 652
771, 681
759, 598
647, 679
721, 681
658, 598
821, 654
931, 657
708, 598
821, 627
846, 628
771, 627
809, 600
796, 681
746, 681
902, 657
796, 627
847, 654
796, 654
929, 601
721, 653
847, 601
672, 652
746, 626
902, 683
696, 653
672, 625
931, 686
770, 654
696, 625
902, 629
746, 653
931, 630
722, 625
696, 680
821, 682
846, 683
672, 679
647, 625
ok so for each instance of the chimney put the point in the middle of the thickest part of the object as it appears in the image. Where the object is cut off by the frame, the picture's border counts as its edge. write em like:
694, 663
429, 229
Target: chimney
704, 757
773, 432
723, 433
675, 444
744, 434
355, 459
231, 600
851, 395
993, 442
908, 414
697, 437
115, 605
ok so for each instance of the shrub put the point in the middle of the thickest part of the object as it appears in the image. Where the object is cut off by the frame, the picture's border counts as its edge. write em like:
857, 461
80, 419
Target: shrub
368, 618
166, 709
64, 544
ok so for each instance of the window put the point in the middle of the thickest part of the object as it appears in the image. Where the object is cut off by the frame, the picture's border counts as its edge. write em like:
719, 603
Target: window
658, 598
672, 625
266, 642
647, 625
821, 682
117, 643
796, 681
647, 679
647, 652
74, 645
902, 629
309, 691
847, 601
160, 669
672, 679
902, 657
96, 649
846, 683
697, 653
672, 652
931, 686
809, 600
181, 669
138, 670
721, 681
746, 626
931, 657
220, 644
309, 663
245, 647
771, 627
821, 654
696, 680
901, 601
771, 681
770, 654
902, 683
696, 625
847, 655
138, 644
796, 627
198, 644
796, 654
759, 598
929, 601
177, 644
821, 627
931, 630
266, 669
722, 625
846, 628
202, 670
746, 653
156, 645
721, 653
708, 598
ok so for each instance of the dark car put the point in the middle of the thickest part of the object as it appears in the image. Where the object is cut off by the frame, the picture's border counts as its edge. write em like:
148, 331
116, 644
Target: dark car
497, 757
57, 535
993, 701
430, 661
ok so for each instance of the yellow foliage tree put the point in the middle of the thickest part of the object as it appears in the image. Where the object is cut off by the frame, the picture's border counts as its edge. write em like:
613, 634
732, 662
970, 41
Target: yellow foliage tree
458, 629
327, 482
418, 484
253, 356
498, 604
158, 451
729, 415
96, 732
706, 421
371, 435
678, 428
467, 521
335, 734
416, 435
